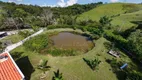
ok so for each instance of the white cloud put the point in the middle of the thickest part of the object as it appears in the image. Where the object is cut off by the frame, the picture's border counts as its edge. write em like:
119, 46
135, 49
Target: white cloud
15, 0
62, 3
114, 0
71, 2
45, 5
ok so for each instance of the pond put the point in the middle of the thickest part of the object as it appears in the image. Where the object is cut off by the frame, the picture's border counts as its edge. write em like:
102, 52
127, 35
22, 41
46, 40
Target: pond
68, 40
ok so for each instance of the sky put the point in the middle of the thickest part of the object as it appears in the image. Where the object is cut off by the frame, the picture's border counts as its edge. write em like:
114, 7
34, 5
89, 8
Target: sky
64, 3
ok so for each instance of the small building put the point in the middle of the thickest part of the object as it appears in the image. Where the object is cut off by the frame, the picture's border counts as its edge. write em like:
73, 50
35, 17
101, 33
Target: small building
9, 69
114, 53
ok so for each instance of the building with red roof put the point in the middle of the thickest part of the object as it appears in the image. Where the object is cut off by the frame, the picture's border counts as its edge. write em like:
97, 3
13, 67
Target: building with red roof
9, 69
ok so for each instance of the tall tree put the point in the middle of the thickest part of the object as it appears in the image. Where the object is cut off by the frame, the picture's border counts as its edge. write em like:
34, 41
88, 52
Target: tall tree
135, 43
47, 17
105, 21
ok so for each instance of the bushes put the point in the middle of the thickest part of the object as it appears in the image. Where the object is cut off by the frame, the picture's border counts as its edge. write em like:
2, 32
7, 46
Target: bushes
24, 33
93, 64
116, 38
135, 43
134, 76
61, 52
37, 43
59, 26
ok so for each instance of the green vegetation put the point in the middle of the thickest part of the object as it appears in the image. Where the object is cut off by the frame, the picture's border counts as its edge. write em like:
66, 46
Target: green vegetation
109, 27
13, 38
134, 76
135, 43
61, 52
58, 75
105, 21
93, 63
43, 65
37, 43
119, 14
74, 65
25, 33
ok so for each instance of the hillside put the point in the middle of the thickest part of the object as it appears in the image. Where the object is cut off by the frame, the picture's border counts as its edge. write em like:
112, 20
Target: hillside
122, 13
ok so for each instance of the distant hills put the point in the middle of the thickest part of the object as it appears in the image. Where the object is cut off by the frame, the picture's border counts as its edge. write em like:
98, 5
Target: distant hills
121, 13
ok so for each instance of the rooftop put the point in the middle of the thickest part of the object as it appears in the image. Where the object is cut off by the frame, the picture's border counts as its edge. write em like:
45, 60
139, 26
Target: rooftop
8, 68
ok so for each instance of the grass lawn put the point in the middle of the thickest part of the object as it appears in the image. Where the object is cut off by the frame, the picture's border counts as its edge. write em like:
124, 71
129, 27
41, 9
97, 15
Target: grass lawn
73, 67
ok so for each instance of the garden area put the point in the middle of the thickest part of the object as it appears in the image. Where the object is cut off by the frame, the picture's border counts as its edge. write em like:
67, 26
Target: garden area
76, 67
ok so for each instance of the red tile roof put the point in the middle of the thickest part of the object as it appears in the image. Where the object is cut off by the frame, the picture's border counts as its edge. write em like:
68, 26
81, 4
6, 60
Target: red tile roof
8, 68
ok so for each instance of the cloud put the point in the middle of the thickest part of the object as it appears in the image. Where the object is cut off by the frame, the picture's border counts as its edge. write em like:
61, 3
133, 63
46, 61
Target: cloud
71, 2
114, 0
62, 3
45, 5
15, 0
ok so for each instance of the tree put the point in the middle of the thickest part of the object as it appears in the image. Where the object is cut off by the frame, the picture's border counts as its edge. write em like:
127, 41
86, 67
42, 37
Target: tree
1, 47
11, 23
57, 76
67, 19
134, 76
43, 65
20, 13
47, 17
105, 21
135, 43
93, 64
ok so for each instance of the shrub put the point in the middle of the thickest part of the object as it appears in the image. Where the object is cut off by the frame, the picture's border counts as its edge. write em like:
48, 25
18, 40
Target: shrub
43, 65
93, 64
59, 26
25, 33
57, 76
37, 43
61, 52
108, 45
116, 38
134, 76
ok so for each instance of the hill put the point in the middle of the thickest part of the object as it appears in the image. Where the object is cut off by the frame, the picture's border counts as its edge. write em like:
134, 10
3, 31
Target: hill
121, 13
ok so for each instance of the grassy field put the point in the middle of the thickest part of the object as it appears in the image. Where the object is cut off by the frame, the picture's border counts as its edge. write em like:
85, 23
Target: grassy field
112, 9
73, 67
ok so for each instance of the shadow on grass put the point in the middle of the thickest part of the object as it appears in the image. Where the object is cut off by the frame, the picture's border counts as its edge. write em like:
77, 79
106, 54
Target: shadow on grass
16, 55
120, 74
25, 66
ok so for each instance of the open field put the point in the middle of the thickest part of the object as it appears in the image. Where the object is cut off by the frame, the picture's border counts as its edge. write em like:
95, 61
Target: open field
73, 67
114, 9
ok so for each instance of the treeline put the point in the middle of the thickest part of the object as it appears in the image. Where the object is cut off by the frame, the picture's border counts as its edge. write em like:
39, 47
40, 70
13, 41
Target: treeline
18, 16
75, 9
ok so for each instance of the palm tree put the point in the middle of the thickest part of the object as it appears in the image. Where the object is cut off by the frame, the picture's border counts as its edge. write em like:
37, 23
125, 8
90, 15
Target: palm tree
93, 64
57, 75
43, 66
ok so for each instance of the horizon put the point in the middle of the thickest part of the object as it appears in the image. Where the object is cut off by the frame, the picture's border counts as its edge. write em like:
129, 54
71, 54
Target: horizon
65, 3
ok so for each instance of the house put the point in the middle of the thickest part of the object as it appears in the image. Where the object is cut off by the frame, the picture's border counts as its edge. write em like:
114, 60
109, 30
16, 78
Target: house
9, 69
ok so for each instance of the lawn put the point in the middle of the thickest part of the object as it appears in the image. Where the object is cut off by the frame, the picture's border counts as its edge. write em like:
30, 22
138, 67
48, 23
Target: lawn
73, 67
